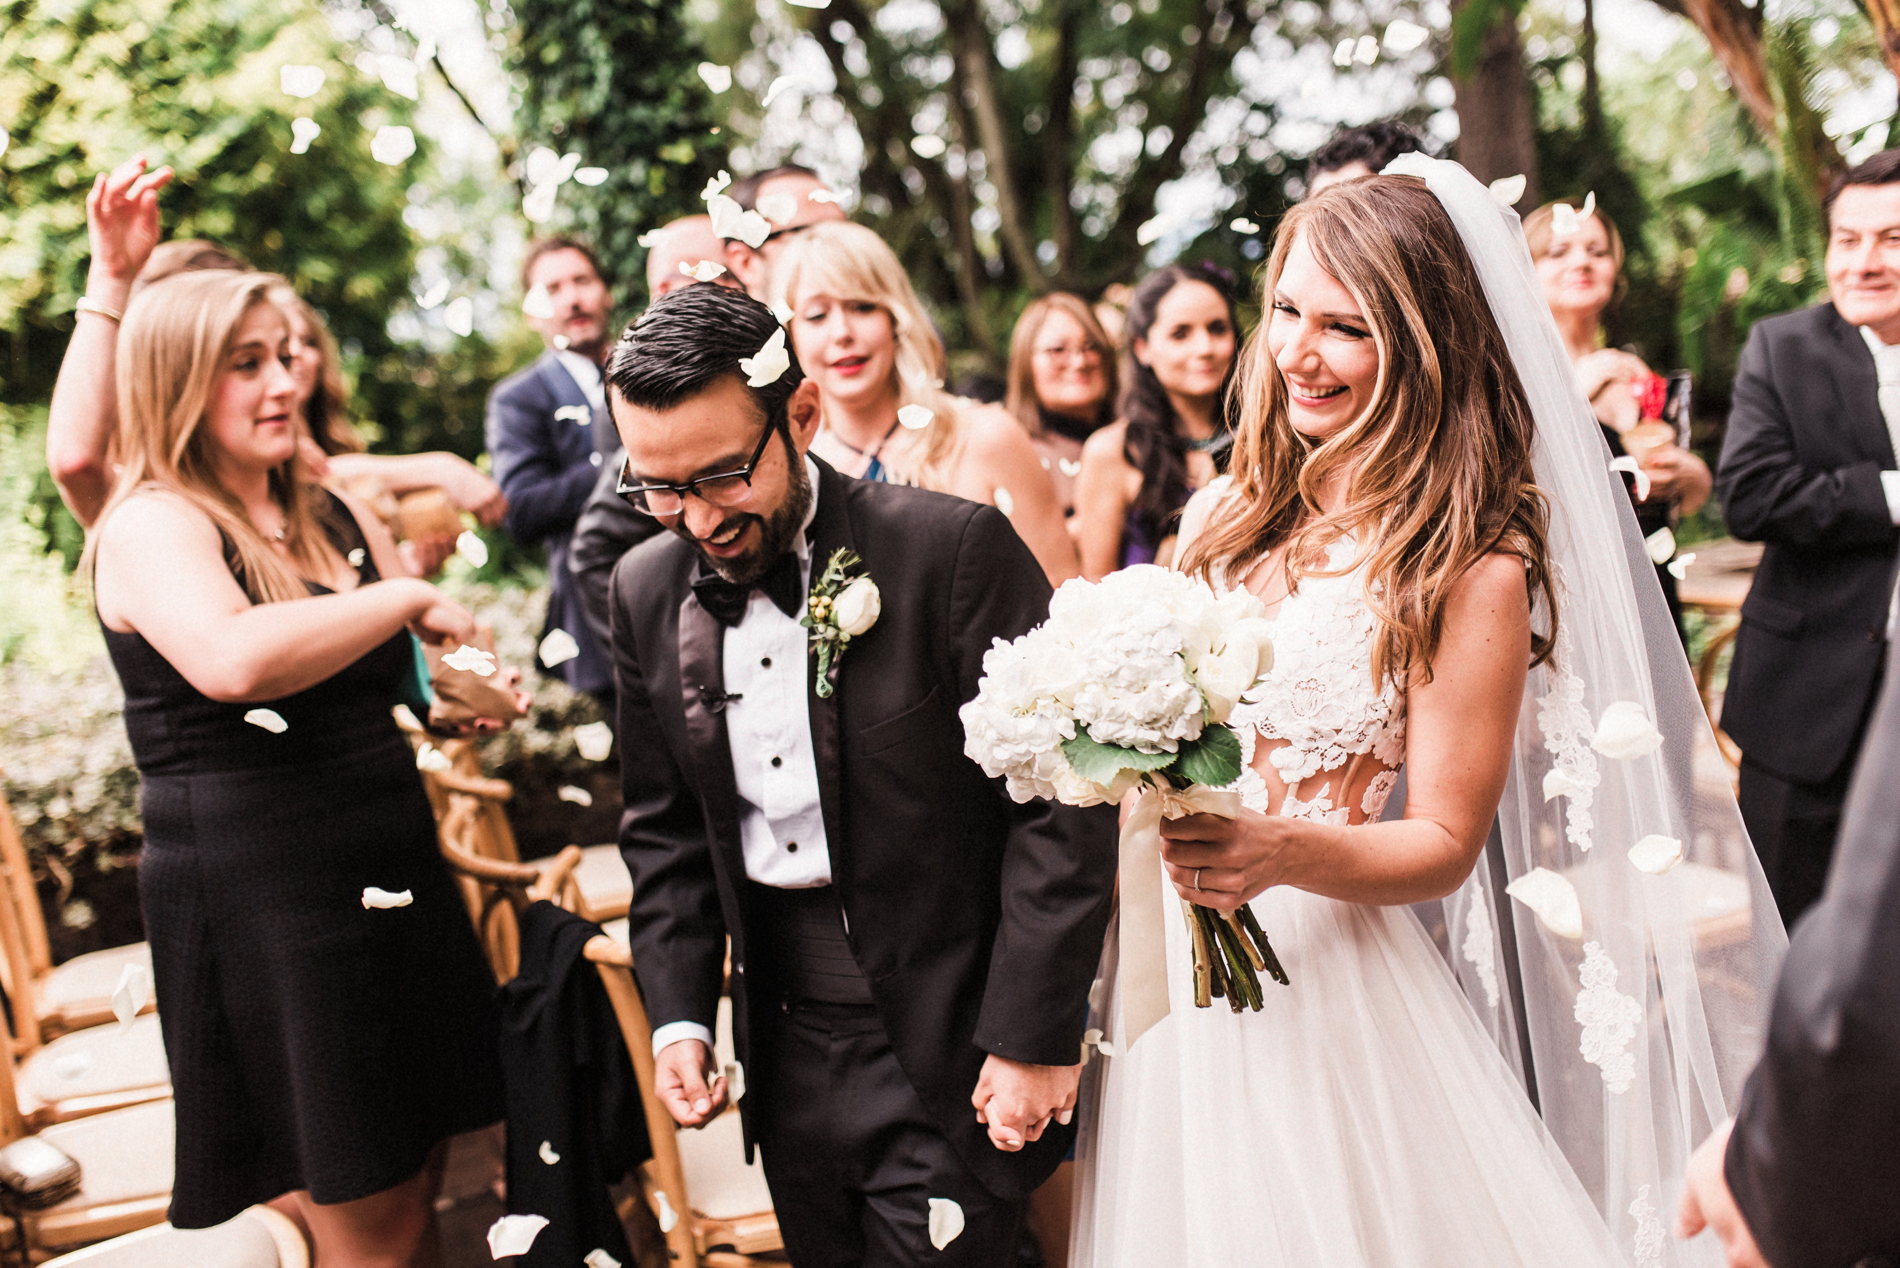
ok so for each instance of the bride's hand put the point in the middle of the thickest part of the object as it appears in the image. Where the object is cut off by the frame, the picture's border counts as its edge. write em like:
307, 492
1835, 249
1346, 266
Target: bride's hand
1221, 863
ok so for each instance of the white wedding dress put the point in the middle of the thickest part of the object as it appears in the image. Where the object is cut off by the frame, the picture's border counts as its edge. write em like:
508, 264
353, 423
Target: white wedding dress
1362, 1118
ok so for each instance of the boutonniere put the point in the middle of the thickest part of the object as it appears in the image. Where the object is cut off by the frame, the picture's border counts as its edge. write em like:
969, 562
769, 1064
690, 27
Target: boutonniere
841, 608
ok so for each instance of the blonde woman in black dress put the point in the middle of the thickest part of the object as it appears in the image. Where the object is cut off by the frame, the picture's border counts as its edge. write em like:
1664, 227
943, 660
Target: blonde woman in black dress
322, 1051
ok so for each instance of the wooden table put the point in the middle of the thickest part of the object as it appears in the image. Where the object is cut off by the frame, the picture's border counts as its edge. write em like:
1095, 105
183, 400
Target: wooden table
1715, 582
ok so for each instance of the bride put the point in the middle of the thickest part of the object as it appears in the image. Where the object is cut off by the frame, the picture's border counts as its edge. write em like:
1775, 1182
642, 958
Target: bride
1421, 499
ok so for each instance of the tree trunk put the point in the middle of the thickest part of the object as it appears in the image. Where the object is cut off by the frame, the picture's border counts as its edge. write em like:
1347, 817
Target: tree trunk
1058, 133
970, 39
1735, 37
1885, 16
1496, 132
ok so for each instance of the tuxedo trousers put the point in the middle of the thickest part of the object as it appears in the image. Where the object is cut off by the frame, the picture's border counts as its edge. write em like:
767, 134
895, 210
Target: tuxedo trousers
852, 1157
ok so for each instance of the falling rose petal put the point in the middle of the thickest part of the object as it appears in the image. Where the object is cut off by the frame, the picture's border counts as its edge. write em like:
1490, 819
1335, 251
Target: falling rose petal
823, 196
716, 185
735, 1080
1561, 783
392, 145
782, 311
1589, 207
471, 660
1070, 467
1564, 221
431, 758
769, 363
1629, 464
399, 76
560, 344
1661, 546
650, 239
434, 296
594, 740
946, 1222
473, 549
579, 796
598, 1258
383, 900
668, 1218
570, 163
1342, 56
537, 303
303, 131
928, 146
557, 648
1656, 854
1552, 898
537, 206
591, 176
1509, 190
778, 208
547, 1153
1366, 51
914, 417
269, 719
405, 718
1403, 36
1004, 502
129, 997
514, 1234
1240, 224
301, 81
730, 220
810, 4
543, 166
355, 557
1625, 732
704, 271
716, 77
459, 316
782, 85
1679, 566
579, 415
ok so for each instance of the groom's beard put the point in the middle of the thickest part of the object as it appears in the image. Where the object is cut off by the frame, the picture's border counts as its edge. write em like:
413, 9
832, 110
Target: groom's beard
779, 530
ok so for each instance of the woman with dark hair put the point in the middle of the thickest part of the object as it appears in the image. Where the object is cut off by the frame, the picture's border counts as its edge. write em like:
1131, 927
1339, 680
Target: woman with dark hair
1062, 378
1177, 420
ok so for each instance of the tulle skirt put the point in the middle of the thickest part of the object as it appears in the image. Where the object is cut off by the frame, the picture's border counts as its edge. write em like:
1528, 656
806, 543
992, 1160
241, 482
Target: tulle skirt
1361, 1118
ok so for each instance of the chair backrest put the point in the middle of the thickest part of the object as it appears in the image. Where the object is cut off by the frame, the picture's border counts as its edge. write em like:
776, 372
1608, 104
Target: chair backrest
25, 953
256, 1238
499, 889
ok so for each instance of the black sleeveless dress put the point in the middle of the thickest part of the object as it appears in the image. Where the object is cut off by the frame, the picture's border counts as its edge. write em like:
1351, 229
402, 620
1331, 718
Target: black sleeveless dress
314, 1044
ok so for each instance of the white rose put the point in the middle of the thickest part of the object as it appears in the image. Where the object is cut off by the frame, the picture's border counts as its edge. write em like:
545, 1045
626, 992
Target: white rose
1224, 676
857, 606
1259, 632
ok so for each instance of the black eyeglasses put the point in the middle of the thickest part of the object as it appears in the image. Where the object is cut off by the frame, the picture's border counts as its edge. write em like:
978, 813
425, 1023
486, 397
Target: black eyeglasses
786, 232
725, 488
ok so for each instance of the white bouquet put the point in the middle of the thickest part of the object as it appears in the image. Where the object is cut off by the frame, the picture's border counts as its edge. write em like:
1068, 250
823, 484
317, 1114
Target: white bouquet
1128, 685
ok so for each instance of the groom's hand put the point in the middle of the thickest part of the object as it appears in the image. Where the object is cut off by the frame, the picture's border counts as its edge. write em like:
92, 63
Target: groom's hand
688, 1084
1707, 1203
1017, 1100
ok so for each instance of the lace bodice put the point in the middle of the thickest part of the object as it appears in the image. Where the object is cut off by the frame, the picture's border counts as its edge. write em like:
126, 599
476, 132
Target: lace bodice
1334, 738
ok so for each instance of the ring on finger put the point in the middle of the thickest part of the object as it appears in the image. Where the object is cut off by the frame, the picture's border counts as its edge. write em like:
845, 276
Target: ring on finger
1197, 879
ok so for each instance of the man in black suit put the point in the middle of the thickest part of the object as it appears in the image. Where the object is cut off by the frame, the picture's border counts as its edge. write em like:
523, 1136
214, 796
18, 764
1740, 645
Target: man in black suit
1809, 1175
1808, 467
911, 952
549, 434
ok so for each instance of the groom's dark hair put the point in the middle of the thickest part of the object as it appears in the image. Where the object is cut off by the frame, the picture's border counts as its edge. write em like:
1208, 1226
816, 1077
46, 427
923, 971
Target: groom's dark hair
692, 337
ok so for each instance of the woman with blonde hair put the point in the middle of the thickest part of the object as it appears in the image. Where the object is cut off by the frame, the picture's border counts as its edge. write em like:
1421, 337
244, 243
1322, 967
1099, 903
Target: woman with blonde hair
861, 334
324, 1042
1062, 377
1418, 496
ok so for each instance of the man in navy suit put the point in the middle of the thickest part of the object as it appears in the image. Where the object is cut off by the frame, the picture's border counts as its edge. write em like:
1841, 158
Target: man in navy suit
549, 432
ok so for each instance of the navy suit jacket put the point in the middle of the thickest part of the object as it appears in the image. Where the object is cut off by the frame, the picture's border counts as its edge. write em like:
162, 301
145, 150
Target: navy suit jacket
547, 466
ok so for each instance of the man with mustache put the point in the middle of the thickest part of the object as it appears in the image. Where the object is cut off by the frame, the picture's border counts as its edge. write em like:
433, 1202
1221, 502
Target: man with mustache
911, 952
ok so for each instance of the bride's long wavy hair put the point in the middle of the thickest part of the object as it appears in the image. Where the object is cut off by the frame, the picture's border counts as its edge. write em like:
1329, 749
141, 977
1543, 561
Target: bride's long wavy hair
1440, 462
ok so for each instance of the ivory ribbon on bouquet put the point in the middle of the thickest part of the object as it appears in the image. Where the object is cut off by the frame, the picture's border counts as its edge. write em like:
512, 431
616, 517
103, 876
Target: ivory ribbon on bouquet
1142, 971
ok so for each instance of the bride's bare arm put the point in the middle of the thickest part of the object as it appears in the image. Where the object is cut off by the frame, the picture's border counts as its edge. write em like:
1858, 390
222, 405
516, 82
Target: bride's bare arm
1458, 743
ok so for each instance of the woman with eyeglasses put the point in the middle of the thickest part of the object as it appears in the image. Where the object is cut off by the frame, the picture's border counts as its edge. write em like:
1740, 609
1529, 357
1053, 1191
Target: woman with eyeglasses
1177, 420
1062, 376
860, 332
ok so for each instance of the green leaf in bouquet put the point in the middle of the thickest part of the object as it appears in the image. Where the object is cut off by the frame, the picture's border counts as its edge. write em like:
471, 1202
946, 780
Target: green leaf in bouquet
1099, 763
1213, 759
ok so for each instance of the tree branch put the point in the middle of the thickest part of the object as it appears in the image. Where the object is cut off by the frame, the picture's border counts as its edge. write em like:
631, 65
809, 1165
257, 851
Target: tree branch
1734, 34
970, 47
1058, 134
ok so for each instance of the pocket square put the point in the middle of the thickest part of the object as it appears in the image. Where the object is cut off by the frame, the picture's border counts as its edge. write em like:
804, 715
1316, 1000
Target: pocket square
579, 413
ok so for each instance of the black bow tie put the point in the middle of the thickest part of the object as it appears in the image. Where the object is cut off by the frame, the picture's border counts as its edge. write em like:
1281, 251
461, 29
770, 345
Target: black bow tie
727, 600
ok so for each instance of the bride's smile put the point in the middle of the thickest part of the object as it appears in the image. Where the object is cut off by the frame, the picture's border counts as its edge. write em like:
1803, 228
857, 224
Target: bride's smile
1322, 345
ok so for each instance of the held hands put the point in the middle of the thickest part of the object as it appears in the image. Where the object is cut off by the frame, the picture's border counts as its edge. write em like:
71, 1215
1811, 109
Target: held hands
687, 1084
1016, 1100
1707, 1203
122, 223
1221, 863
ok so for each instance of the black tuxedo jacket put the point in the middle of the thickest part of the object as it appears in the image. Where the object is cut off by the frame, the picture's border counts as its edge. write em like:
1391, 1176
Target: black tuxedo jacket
1800, 470
1814, 1161
978, 922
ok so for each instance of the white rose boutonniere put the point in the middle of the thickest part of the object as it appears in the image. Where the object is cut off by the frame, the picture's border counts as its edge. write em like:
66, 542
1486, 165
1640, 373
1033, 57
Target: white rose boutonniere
840, 608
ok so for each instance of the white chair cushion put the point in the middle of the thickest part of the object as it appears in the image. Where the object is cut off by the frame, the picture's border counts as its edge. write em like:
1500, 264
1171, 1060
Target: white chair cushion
85, 983
93, 1062
122, 1155
242, 1242
601, 876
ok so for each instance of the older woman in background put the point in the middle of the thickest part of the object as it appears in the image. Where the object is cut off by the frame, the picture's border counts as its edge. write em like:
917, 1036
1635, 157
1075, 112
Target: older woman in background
1062, 381
863, 337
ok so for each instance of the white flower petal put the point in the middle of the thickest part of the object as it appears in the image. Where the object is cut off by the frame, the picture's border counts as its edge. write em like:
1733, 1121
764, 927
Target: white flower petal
730, 220
1635, 468
928, 146
1069, 467
769, 363
543, 166
1553, 898
1509, 190
598, 1258
405, 717
810, 4
946, 1222
1656, 854
547, 1153
471, 660
1589, 207
1240, 224
303, 131
591, 176
1402, 37
914, 417
472, 549
459, 316
668, 1218
514, 1234
594, 740
392, 145
537, 206
579, 796
780, 209
579, 415
1679, 566
301, 81
558, 647
782, 311
1561, 783
431, 758
704, 271
1661, 545
784, 84
536, 303
383, 899
716, 77
355, 558
1625, 732
735, 1080
131, 994
1366, 52
823, 196
269, 719
1342, 55
399, 76
1004, 502
1564, 221
716, 185
561, 342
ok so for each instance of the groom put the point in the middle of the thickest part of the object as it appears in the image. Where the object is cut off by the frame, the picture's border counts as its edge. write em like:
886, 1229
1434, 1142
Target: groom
911, 952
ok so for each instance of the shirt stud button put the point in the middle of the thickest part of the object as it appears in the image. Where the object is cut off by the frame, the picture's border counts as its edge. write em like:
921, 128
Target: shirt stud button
778, 761
766, 662
791, 847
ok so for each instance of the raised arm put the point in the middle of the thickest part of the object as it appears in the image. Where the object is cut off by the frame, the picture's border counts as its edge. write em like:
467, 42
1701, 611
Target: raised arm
455, 475
122, 227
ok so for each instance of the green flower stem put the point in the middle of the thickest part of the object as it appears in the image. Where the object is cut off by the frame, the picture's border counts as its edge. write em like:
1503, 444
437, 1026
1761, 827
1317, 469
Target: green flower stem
1259, 938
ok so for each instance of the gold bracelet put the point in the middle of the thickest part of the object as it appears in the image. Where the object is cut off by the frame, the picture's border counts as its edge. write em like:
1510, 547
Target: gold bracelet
87, 304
